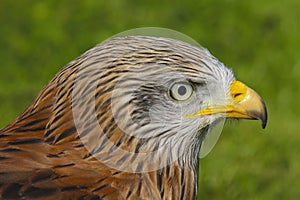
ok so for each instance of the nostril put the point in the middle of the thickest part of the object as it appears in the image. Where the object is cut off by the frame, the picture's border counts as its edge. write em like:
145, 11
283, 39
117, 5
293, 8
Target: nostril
238, 91
237, 94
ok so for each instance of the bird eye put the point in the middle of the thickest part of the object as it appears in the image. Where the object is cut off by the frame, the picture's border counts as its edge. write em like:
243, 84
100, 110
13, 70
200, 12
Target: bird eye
181, 91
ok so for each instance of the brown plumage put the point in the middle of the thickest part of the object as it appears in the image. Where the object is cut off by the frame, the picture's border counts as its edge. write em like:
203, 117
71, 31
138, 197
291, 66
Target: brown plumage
56, 150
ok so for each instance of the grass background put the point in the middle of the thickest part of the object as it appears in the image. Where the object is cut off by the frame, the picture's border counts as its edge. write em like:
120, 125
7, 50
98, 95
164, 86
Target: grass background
259, 40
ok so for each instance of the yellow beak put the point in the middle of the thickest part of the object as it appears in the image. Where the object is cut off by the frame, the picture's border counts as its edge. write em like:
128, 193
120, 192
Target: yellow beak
247, 104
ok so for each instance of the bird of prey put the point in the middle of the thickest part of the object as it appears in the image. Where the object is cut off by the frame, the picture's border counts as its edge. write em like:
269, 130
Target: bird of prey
125, 120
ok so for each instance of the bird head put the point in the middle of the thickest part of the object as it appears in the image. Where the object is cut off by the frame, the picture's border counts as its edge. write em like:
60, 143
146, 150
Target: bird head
124, 120
148, 98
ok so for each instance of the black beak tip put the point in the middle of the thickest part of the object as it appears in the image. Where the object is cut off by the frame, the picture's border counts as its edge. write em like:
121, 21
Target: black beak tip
263, 124
260, 115
264, 117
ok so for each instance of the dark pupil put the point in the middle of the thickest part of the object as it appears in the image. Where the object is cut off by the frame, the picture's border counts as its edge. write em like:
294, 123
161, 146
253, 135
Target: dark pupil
182, 90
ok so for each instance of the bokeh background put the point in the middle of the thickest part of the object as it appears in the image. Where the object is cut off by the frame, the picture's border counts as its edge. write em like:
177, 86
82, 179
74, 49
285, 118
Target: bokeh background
259, 40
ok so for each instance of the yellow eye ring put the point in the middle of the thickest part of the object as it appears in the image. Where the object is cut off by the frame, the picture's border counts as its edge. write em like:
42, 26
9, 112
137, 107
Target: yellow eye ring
181, 91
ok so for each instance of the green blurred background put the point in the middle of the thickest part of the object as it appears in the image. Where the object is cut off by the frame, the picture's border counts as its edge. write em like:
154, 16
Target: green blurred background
258, 39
